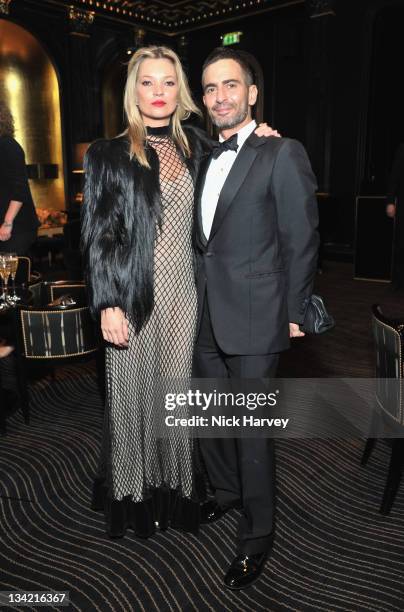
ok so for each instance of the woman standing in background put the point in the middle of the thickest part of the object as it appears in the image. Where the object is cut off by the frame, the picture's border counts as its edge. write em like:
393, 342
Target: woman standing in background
18, 220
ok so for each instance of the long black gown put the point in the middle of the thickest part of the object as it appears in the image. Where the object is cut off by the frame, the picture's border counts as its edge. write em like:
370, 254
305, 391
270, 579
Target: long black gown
144, 480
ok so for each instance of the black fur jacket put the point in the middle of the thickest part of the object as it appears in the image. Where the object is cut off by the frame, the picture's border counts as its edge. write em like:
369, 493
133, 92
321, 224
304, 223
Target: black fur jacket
120, 215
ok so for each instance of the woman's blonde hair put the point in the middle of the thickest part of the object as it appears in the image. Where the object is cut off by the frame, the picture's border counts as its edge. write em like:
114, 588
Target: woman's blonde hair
136, 129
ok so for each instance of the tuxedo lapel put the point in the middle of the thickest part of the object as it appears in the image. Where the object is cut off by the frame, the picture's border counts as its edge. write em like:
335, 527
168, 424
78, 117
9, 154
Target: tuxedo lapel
233, 182
200, 183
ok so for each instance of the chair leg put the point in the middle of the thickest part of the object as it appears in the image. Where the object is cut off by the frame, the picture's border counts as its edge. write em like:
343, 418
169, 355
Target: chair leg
370, 443
23, 389
394, 475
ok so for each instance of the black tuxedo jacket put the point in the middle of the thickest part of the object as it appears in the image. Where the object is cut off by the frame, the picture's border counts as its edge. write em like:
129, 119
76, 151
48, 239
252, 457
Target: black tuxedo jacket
258, 266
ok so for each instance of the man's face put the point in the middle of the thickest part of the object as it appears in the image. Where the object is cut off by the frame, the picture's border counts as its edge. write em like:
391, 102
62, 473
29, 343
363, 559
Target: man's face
227, 96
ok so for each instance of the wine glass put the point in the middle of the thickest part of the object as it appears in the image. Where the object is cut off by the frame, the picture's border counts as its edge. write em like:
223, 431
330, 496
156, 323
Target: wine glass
13, 263
4, 273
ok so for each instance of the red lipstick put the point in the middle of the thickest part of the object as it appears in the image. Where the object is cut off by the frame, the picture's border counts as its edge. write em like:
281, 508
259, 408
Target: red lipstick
158, 103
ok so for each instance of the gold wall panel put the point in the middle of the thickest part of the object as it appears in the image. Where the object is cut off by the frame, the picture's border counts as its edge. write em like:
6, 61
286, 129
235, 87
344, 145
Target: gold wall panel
29, 84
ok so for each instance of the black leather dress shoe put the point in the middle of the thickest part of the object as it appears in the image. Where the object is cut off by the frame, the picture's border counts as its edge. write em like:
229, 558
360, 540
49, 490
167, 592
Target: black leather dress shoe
244, 571
211, 511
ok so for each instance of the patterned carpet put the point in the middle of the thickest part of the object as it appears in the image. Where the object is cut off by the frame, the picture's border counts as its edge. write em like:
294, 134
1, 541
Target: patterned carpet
333, 550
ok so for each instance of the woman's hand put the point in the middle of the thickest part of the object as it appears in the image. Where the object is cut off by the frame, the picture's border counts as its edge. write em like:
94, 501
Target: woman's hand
114, 326
265, 130
5, 232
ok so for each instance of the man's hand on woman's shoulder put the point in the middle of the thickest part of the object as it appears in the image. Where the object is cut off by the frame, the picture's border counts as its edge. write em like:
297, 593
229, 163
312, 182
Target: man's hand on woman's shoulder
264, 129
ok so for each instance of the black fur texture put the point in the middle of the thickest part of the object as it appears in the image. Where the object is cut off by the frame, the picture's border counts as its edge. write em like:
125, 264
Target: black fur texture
120, 215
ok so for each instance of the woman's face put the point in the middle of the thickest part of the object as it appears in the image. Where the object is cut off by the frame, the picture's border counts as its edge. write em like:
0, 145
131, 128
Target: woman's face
157, 91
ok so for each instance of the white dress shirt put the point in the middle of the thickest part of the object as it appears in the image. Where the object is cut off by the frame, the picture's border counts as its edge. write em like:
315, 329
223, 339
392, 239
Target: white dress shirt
216, 176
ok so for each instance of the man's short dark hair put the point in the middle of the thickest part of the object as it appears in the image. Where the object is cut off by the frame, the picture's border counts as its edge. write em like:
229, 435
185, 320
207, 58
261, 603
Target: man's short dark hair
224, 53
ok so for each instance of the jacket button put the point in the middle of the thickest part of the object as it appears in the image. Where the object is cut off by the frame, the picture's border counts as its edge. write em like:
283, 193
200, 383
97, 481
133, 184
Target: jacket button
208, 254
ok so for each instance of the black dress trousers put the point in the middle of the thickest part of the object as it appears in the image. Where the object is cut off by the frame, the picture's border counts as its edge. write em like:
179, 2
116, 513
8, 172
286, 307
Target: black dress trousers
241, 470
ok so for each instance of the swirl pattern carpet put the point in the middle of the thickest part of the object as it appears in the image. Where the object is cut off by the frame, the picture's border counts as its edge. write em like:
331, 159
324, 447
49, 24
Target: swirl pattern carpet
333, 551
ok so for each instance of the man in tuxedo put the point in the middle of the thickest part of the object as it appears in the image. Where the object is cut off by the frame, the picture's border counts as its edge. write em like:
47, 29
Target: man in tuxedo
256, 245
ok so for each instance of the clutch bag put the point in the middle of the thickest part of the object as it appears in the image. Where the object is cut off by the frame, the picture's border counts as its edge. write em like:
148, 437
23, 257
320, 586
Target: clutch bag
317, 320
64, 301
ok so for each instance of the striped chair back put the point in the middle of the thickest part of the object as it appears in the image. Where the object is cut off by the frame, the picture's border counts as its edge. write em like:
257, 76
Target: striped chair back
389, 344
57, 333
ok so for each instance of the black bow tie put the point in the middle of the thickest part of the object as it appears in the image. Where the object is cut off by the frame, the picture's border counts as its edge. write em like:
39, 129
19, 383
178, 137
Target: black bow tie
227, 145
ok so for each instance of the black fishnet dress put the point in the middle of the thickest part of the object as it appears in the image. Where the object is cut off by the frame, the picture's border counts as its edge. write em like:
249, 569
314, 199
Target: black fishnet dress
144, 480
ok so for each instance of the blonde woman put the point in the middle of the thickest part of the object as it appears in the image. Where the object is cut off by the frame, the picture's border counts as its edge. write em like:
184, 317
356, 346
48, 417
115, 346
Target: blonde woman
137, 228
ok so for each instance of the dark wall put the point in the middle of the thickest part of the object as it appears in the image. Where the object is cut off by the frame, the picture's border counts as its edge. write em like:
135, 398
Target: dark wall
366, 55
385, 117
